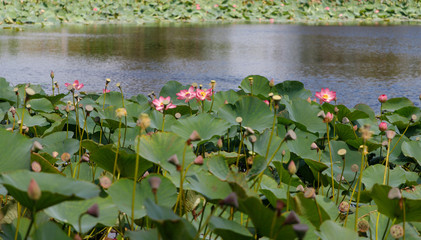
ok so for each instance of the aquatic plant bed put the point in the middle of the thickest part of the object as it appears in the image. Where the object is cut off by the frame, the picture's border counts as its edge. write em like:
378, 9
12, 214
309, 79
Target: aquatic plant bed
268, 161
60, 11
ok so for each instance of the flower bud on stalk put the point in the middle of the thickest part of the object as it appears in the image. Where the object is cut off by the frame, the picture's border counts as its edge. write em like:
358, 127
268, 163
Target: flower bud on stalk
154, 182
382, 98
34, 192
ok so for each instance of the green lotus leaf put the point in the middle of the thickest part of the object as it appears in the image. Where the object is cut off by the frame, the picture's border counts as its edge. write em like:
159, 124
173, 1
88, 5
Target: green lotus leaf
121, 193
31, 121
304, 115
69, 212
309, 210
206, 125
55, 127
57, 142
170, 89
104, 156
54, 188
329, 230
49, 230
228, 229
412, 149
220, 98
151, 234
170, 226
218, 166
111, 99
260, 85
394, 104
46, 166
156, 120
392, 207
16, 154
41, 105
6, 92
375, 174
208, 185
261, 146
366, 109
253, 111
159, 147
293, 89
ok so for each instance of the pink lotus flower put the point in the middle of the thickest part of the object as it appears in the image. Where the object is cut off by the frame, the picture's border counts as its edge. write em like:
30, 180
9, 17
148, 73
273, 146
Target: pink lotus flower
202, 94
267, 102
186, 94
216, 5
327, 8
95, 9
325, 95
271, 20
198, 7
105, 91
383, 126
382, 98
234, 6
75, 85
376, 11
328, 118
162, 103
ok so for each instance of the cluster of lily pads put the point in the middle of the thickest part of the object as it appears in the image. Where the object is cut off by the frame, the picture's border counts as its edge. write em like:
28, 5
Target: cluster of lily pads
61, 11
267, 161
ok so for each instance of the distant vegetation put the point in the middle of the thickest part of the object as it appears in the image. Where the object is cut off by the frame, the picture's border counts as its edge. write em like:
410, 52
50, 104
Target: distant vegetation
125, 11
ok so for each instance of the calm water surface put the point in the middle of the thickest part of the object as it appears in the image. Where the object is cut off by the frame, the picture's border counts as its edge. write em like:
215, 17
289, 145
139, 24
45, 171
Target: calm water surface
359, 62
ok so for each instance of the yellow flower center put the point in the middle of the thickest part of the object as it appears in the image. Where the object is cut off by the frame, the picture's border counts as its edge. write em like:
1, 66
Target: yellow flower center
325, 96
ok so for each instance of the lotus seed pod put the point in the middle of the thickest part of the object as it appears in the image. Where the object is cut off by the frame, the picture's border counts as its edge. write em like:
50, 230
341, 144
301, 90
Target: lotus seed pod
291, 219
239, 119
251, 80
300, 188
314, 146
290, 135
154, 182
310, 193
34, 192
413, 118
344, 207
177, 115
363, 226
394, 193
70, 87
105, 182
65, 157
89, 108
300, 230
355, 168
250, 160
252, 139
36, 146
339, 178
107, 81
390, 134
270, 94
277, 100
230, 200
118, 85
194, 136
292, 169
93, 210
35, 166
30, 91
16, 90
249, 130
345, 120
396, 231
198, 160
12, 110
342, 152
143, 121
213, 84
121, 112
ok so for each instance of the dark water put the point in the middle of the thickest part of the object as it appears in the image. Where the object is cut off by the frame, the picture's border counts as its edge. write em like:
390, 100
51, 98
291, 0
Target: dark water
358, 62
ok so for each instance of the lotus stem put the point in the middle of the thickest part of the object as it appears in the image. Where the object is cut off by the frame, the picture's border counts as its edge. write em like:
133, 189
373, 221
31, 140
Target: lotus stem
118, 147
80, 148
77, 115
271, 133
404, 217
359, 186
318, 211
289, 183
163, 120
205, 224
23, 114
387, 232
103, 108
340, 180
34, 214
387, 164
125, 117
135, 178
406, 129
213, 98
331, 161
241, 144
18, 221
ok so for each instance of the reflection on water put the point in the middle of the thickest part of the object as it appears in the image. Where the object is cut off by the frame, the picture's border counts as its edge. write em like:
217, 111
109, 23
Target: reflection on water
359, 62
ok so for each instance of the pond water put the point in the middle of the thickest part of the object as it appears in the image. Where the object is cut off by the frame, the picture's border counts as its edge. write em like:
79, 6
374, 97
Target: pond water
358, 62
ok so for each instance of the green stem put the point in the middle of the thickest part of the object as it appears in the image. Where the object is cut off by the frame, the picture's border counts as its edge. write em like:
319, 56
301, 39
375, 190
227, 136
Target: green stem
118, 147
387, 233
331, 161
271, 134
340, 181
387, 164
400, 138
18, 220
359, 186
205, 224
239, 148
34, 213
80, 148
289, 183
163, 120
135, 178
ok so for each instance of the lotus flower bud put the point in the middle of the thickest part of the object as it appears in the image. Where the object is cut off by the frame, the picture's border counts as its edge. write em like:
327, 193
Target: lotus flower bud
272, 83
174, 161
230, 200
13, 111
52, 74
249, 130
279, 206
291, 219
363, 226
283, 153
290, 135
65, 157
345, 120
292, 169
35, 166
309, 99
85, 157
382, 98
390, 134
321, 114
394, 193
396, 231
344, 207
252, 139
77, 237
314, 146
383, 126
355, 127
154, 182
145, 174
54, 154
355, 168
34, 192
194, 136
93, 211
300, 188
198, 160
300, 230
105, 182
336, 109
310, 193
339, 178
121, 112
342, 152
219, 143
239, 119
250, 160
328, 118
